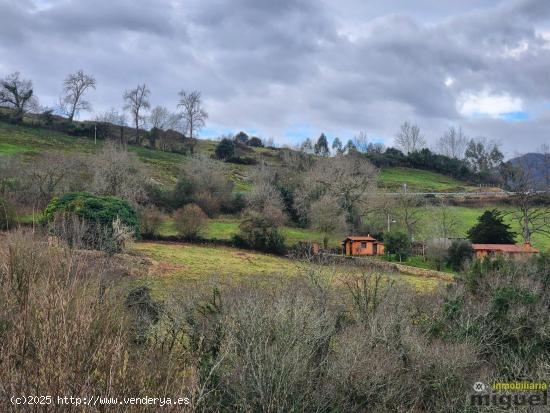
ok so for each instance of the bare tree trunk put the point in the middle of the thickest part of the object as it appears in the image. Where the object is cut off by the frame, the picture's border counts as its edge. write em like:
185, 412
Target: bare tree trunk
526, 231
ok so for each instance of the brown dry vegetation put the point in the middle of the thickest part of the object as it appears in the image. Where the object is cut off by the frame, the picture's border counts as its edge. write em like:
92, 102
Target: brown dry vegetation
69, 326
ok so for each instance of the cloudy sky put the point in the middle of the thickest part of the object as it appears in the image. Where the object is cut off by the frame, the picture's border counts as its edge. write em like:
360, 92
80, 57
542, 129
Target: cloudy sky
291, 69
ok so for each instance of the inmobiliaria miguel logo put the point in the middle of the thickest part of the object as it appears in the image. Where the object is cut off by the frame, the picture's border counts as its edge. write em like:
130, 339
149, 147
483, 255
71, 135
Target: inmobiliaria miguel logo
509, 395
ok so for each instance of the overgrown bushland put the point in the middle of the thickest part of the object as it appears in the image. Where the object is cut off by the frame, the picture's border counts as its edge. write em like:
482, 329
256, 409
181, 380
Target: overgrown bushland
7, 214
501, 306
68, 325
64, 330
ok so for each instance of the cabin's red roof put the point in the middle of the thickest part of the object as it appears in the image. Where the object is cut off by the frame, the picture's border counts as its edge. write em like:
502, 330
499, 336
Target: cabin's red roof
511, 248
361, 238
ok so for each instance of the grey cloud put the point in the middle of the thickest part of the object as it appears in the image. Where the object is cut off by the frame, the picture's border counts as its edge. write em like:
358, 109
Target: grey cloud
337, 66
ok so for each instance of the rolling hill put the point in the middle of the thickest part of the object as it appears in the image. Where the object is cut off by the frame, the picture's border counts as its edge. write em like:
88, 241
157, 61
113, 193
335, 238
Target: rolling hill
164, 166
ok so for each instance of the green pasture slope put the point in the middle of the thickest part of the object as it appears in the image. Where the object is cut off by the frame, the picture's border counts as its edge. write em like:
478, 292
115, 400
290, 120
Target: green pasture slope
418, 180
224, 229
164, 166
181, 267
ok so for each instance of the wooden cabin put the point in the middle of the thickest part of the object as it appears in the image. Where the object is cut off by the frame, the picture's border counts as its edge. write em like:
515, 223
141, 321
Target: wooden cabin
362, 245
515, 251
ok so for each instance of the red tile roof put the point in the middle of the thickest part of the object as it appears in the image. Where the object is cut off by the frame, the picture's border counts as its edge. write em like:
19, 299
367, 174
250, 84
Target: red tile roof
511, 248
361, 238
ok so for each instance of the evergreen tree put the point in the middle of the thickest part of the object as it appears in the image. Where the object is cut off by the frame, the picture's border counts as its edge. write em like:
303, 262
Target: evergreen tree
241, 137
491, 229
350, 147
321, 147
307, 146
337, 145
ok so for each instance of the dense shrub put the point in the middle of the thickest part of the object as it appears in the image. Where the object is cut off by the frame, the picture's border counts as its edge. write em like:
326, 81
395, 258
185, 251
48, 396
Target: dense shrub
225, 149
397, 243
104, 222
437, 251
64, 331
259, 232
460, 252
255, 142
501, 305
242, 160
282, 344
150, 221
189, 221
145, 310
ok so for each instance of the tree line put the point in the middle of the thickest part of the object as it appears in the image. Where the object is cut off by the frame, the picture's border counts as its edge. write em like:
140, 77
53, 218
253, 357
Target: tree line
189, 118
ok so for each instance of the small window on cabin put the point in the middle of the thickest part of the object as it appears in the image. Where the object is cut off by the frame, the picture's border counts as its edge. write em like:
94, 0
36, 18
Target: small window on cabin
363, 244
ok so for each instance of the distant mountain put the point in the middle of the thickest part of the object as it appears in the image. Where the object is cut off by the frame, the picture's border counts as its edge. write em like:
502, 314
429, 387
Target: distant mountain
539, 165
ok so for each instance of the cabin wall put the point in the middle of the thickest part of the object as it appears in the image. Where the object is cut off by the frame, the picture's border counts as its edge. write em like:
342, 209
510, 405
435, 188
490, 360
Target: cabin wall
356, 249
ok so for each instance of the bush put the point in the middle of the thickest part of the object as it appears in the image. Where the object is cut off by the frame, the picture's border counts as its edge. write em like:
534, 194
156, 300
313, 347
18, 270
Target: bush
103, 222
259, 232
189, 221
7, 214
63, 328
204, 182
255, 142
242, 160
150, 220
437, 251
146, 312
398, 243
460, 251
225, 149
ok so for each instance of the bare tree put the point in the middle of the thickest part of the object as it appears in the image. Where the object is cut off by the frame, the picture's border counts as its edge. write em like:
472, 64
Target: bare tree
349, 178
545, 150
453, 143
137, 100
74, 88
382, 212
113, 117
361, 142
265, 198
444, 221
18, 94
327, 216
531, 210
192, 113
409, 210
409, 139
118, 172
161, 118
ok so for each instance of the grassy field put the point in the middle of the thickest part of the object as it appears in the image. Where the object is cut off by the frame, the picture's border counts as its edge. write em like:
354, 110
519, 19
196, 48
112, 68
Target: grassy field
225, 228
421, 181
466, 217
177, 266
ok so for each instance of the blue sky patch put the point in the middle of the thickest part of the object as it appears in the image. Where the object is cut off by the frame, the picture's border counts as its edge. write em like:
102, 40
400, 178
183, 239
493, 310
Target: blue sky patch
515, 116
